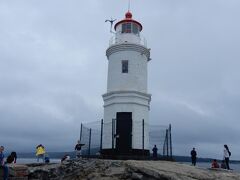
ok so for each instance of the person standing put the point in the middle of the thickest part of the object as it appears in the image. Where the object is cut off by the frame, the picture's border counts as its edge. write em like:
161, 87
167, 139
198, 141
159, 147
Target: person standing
2, 164
40, 152
226, 154
194, 156
154, 150
46, 158
78, 149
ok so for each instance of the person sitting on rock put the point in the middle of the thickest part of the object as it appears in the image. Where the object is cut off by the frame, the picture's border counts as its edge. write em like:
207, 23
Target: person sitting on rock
65, 158
223, 165
12, 158
14, 154
215, 164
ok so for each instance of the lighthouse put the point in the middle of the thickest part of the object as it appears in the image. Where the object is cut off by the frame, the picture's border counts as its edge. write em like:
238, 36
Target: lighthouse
127, 102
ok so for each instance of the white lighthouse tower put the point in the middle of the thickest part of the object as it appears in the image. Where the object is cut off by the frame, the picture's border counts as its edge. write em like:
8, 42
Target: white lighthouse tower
127, 102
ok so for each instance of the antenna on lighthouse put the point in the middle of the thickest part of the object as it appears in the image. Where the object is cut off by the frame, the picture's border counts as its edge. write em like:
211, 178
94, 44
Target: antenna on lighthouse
128, 5
111, 23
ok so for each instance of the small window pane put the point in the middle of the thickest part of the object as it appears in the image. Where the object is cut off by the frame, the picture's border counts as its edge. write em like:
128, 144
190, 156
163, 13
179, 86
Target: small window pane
125, 66
135, 29
126, 28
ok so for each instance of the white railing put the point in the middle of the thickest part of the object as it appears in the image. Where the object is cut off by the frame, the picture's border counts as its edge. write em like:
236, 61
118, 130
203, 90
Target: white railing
116, 39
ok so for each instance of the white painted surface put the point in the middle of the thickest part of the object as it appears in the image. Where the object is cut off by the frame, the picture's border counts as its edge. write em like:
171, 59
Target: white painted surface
138, 113
135, 79
127, 92
128, 38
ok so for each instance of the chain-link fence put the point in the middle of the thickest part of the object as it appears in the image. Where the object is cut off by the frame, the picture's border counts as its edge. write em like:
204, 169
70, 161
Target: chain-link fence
161, 136
92, 136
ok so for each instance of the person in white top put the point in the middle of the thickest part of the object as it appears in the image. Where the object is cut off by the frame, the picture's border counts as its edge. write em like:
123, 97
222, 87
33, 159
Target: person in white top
226, 155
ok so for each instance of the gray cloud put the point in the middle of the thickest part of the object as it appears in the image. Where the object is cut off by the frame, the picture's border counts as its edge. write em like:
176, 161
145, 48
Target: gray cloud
53, 70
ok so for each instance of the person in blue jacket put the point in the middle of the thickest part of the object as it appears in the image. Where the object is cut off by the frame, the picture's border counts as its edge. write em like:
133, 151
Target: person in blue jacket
194, 156
2, 164
155, 149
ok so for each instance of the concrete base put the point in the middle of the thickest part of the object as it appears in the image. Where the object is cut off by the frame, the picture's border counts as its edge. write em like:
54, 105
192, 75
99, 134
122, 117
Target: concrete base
133, 154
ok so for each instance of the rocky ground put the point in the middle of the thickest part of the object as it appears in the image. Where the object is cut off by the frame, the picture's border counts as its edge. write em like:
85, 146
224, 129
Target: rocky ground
96, 169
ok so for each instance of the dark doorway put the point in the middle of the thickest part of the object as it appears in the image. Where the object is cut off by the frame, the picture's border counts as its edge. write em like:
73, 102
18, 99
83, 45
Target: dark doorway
124, 133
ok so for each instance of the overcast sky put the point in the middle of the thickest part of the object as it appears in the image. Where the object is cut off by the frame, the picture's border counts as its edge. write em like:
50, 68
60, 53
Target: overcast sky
53, 70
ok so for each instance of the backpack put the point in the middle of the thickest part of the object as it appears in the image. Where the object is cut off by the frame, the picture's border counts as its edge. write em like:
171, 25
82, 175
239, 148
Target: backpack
229, 153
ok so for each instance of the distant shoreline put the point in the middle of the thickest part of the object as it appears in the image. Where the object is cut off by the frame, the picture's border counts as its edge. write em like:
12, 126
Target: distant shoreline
59, 155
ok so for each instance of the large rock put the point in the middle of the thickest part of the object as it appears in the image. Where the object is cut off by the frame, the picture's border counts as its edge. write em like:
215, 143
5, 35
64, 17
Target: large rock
18, 170
175, 171
95, 169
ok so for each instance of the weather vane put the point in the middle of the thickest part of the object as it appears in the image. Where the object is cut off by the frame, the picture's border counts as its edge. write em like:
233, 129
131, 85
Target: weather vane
112, 20
111, 23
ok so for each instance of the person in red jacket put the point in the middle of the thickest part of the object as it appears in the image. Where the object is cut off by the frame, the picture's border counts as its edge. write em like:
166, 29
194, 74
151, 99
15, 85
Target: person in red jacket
215, 164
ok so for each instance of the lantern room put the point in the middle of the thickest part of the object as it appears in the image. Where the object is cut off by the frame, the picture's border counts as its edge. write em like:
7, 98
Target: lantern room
128, 30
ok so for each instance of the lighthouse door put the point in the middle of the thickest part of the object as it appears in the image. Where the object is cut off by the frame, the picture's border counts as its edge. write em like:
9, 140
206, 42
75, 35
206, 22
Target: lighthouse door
124, 132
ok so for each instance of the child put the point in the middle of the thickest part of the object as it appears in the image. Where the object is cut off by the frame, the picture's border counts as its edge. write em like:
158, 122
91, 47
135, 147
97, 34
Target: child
223, 165
47, 159
215, 164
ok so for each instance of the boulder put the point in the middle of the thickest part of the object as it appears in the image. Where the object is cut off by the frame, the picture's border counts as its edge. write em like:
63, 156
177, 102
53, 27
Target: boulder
18, 170
96, 169
175, 171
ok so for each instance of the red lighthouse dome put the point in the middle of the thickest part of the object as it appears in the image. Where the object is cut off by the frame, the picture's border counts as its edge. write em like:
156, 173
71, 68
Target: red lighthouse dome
129, 25
128, 15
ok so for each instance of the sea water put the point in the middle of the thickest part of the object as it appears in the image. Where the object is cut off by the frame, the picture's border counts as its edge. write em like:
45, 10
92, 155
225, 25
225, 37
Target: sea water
34, 160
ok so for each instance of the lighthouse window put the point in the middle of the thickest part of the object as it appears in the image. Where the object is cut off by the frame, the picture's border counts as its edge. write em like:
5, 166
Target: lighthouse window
135, 29
126, 28
125, 66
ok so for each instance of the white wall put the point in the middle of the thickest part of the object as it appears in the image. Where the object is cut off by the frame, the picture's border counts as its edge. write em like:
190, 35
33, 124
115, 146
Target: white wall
135, 79
139, 112
127, 92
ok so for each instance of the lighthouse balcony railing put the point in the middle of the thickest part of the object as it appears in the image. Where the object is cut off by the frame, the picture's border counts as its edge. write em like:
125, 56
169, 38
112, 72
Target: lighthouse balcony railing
117, 40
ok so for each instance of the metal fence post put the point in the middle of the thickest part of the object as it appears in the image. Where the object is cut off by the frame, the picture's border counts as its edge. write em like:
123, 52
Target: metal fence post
143, 136
167, 142
101, 135
170, 139
112, 134
164, 144
89, 145
80, 138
